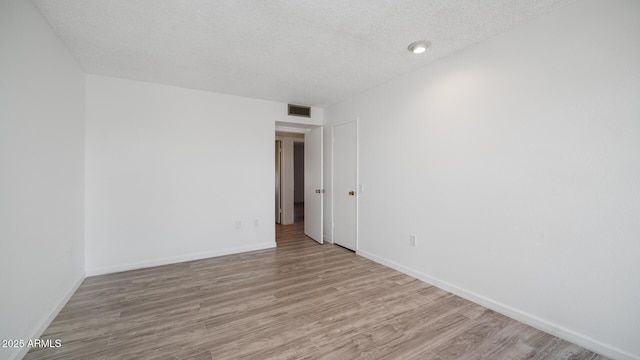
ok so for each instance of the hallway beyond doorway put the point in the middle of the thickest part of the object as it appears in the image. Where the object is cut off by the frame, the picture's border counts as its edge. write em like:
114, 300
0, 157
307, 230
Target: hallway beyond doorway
298, 212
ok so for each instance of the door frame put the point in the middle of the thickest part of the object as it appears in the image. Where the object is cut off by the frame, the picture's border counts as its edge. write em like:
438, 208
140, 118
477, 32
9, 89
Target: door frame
358, 185
278, 170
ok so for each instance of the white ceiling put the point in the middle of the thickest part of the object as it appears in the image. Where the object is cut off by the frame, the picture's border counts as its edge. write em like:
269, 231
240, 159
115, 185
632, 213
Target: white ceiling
309, 52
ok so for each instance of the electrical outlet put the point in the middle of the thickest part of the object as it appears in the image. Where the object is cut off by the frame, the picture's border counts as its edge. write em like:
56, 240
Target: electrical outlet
256, 223
69, 251
412, 240
238, 225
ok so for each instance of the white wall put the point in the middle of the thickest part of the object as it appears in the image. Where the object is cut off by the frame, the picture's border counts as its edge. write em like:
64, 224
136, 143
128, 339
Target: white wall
517, 165
41, 174
172, 172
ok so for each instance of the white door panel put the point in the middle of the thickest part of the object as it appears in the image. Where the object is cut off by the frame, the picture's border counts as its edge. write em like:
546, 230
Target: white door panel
345, 190
313, 190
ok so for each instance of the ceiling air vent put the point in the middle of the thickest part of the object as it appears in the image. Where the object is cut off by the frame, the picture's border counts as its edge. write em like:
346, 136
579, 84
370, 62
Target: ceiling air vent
297, 110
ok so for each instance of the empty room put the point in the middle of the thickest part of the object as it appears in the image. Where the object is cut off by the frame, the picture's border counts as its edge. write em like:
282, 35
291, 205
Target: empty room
453, 179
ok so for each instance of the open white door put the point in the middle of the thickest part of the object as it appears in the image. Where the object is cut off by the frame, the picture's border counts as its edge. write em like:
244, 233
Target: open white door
313, 190
345, 172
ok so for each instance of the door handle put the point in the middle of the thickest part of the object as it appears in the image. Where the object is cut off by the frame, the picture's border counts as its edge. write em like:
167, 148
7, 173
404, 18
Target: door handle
317, 191
352, 193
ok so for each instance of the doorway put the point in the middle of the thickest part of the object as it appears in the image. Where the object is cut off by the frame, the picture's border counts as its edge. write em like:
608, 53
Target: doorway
300, 175
298, 181
286, 175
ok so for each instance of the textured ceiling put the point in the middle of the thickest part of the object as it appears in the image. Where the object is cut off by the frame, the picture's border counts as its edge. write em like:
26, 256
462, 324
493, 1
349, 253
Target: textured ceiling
311, 52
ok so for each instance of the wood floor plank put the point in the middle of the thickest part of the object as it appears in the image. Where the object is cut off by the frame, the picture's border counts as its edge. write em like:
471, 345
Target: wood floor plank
301, 300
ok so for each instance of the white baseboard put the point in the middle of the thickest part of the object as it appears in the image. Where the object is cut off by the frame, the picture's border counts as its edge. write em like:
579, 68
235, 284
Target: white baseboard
529, 319
177, 259
37, 332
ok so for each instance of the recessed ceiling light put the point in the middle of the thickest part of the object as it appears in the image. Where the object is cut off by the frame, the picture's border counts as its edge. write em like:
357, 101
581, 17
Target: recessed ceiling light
419, 47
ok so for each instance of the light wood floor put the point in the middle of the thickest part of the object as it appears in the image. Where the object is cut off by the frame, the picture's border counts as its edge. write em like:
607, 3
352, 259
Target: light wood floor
299, 301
